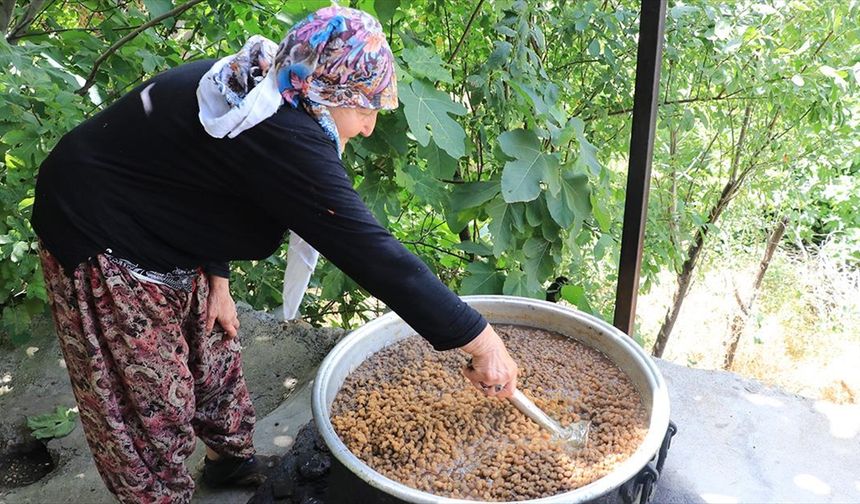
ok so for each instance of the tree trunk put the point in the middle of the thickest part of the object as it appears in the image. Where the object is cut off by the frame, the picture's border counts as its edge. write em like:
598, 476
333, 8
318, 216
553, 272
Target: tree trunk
683, 285
736, 178
686, 275
30, 14
739, 321
6, 9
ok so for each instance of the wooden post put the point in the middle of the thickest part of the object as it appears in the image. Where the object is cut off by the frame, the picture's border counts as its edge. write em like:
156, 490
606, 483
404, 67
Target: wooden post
648, 57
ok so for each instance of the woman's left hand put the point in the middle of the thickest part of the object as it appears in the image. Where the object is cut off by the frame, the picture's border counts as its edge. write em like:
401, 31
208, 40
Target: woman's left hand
221, 307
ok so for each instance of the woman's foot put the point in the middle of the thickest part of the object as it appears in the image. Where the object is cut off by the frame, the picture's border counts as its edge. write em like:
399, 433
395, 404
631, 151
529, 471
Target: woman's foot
233, 471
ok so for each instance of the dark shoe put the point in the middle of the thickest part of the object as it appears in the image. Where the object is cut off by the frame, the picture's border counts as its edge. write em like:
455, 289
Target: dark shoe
233, 471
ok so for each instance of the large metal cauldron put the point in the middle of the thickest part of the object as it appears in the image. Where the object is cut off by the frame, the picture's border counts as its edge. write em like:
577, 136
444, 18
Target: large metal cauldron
352, 481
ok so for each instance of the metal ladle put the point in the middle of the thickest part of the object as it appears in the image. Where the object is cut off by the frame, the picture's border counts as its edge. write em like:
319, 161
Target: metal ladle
575, 434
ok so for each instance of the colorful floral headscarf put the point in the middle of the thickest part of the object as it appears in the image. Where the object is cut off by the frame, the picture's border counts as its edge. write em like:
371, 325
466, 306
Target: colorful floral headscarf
336, 57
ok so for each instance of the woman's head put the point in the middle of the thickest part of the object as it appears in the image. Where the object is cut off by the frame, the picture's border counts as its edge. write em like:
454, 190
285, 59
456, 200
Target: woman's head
335, 63
338, 58
351, 122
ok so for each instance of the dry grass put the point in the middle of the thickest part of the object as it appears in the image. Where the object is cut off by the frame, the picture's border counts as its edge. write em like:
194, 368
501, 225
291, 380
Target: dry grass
803, 334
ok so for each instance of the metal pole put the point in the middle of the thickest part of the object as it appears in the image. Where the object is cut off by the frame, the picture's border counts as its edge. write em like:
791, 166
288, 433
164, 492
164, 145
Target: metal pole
648, 56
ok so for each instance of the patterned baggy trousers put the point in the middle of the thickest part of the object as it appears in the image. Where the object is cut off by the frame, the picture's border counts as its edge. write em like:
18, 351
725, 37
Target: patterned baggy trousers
146, 376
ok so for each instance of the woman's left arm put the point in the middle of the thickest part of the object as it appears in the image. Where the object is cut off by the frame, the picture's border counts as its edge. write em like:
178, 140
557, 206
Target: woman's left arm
220, 307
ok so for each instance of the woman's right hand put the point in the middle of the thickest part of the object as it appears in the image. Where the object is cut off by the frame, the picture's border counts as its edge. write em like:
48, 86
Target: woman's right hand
491, 368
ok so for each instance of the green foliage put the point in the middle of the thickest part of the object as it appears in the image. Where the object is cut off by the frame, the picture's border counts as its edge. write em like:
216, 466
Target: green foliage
505, 166
482, 278
522, 178
427, 110
53, 425
575, 295
424, 62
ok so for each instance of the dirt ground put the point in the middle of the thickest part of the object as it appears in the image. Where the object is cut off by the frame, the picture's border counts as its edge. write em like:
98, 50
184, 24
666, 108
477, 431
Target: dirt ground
801, 336
277, 358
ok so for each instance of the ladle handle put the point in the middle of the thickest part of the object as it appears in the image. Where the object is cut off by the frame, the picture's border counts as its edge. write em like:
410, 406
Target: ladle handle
531, 410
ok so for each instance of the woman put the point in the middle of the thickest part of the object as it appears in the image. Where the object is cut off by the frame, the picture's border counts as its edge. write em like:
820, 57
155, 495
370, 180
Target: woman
140, 208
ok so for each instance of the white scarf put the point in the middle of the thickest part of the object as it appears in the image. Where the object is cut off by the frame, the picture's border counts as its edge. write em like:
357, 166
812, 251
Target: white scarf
219, 118
218, 115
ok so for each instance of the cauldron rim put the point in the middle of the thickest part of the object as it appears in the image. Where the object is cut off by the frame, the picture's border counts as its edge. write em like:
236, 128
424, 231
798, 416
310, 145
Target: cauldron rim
389, 329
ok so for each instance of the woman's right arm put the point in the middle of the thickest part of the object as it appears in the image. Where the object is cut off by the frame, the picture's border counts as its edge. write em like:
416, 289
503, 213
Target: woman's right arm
491, 368
316, 200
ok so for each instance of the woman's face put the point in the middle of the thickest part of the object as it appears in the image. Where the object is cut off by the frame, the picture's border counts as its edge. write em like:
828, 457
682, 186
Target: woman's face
352, 122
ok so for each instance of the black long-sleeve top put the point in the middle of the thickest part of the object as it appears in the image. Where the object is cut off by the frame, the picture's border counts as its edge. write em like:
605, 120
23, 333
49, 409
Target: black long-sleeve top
143, 179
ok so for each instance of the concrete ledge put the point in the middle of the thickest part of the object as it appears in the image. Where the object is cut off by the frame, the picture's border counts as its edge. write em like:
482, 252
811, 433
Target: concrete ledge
738, 441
